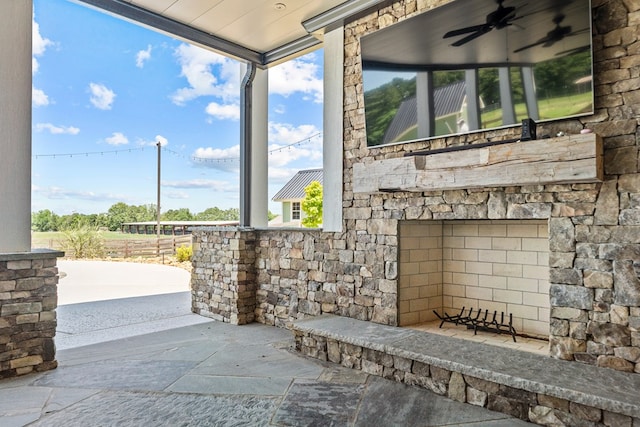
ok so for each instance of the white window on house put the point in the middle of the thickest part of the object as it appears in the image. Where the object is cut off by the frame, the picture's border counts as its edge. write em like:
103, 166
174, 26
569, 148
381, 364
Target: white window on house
295, 210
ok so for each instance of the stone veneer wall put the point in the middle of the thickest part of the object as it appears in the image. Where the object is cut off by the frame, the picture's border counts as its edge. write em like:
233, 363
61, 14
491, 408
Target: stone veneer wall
28, 300
594, 229
298, 273
223, 284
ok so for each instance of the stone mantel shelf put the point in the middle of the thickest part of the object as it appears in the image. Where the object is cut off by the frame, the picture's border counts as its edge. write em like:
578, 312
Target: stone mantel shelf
562, 160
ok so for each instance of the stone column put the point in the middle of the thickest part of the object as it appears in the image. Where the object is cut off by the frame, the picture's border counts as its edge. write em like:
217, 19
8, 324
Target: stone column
15, 125
333, 130
28, 301
530, 95
223, 281
506, 97
473, 100
425, 104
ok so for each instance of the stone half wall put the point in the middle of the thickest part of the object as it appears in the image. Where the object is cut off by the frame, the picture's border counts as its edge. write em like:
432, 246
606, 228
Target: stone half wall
297, 273
28, 300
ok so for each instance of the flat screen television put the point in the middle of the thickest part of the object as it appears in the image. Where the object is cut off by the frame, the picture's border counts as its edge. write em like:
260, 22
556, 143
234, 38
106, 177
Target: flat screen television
473, 65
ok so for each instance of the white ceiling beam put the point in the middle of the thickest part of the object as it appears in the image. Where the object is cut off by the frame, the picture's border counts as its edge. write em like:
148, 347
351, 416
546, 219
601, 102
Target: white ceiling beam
288, 50
162, 23
335, 17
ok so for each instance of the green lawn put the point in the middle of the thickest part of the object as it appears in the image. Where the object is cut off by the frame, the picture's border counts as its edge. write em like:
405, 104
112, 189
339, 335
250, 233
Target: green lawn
548, 109
44, 239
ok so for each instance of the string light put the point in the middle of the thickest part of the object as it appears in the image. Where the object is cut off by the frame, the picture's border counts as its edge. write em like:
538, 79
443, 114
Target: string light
175, 153
89, 153
288, 147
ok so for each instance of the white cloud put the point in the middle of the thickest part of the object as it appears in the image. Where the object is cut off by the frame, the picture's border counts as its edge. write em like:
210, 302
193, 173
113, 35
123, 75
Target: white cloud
285, 133
39, 45
62, 193
38, 42
117, 138
158, 138
297, 75
231, 153
39, 98
288, 144
101, 96
223, 112
225, 159
207, 73
143, 56
282, 175
201, 184
180, 195
282, 135
56, 130
162, 140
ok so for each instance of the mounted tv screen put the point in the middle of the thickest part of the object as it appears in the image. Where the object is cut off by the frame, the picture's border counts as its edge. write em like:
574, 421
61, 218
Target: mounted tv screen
477, 65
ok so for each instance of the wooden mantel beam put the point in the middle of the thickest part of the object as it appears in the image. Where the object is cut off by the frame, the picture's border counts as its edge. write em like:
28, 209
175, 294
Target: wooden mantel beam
567, 159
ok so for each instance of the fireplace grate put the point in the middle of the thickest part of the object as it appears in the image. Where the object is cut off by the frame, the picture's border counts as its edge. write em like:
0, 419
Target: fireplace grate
479, 322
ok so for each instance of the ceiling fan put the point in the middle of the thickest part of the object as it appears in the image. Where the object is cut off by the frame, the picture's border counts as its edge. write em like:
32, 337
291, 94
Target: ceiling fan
500, 18
575, 50
555, 35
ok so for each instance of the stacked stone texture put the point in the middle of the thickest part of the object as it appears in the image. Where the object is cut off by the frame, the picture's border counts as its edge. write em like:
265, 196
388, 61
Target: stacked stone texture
223, 283
537, 408
307, 273
28, 299
594, 229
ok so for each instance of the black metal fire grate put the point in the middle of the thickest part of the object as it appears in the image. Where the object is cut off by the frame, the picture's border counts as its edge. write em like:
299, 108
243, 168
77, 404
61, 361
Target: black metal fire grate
478, 322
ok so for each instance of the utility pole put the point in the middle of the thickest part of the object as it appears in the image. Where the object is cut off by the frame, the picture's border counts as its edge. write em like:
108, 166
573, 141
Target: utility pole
158, 200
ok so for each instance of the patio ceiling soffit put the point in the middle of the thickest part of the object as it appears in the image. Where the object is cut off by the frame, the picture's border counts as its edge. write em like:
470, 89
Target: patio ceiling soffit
315, 26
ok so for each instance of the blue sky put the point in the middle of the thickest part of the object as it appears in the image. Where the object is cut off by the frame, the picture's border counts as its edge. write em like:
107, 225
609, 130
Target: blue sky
106, 90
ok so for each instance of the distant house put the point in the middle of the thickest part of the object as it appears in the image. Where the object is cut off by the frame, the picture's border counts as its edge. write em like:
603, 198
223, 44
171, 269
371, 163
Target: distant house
449, 104
292, 194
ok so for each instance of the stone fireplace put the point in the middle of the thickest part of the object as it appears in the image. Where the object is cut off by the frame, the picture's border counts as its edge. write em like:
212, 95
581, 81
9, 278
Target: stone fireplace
580, 192
497, 265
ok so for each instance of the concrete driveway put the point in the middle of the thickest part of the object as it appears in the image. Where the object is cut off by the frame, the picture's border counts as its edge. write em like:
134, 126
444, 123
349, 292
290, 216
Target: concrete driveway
100, 301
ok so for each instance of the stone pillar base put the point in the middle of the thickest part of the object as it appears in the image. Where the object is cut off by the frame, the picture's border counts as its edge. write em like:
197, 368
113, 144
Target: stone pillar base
28, 301
223, 282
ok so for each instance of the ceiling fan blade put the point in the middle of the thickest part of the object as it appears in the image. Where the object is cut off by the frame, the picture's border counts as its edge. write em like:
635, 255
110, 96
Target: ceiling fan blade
576, 32
529, 46
465, 30
470, 37
575, 50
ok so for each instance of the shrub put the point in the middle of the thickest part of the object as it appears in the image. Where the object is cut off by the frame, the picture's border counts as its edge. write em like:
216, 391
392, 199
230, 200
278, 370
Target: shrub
184, 253
83, 242
312, 205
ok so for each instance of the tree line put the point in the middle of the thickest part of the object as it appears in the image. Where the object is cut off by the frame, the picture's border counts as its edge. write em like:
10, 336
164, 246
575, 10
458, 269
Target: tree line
119, 213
